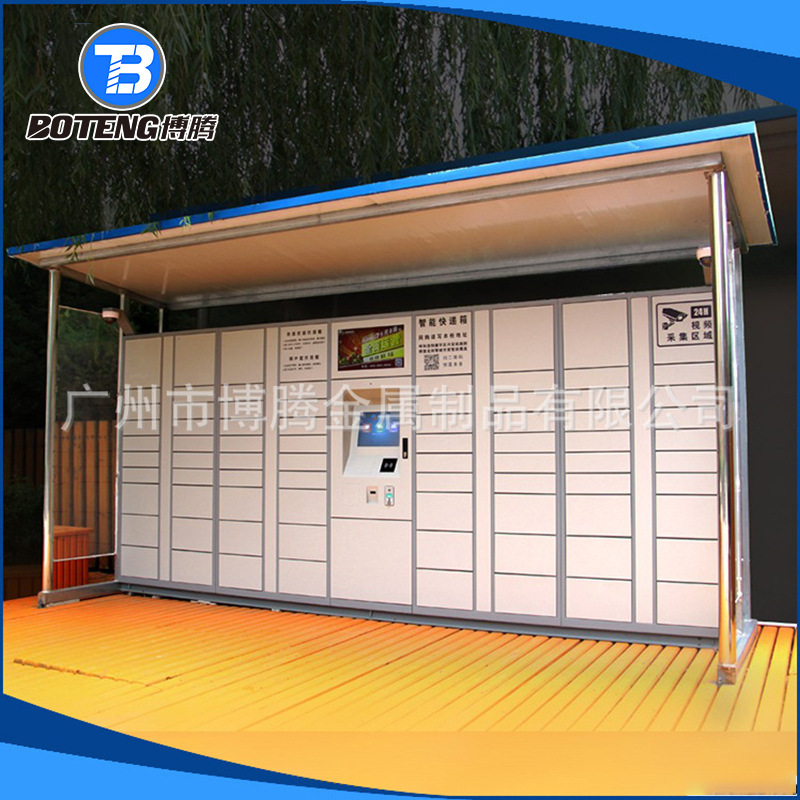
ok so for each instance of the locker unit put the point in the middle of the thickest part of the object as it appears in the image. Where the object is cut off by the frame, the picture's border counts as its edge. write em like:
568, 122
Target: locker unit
547, 465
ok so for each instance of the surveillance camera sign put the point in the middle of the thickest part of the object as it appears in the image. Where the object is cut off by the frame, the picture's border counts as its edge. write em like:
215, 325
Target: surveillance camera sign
684, 323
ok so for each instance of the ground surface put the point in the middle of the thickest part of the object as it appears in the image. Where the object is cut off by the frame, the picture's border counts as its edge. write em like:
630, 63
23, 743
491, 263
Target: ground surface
352, 700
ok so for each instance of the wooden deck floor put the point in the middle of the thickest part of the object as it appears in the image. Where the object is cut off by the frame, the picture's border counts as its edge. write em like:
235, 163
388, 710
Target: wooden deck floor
155, 668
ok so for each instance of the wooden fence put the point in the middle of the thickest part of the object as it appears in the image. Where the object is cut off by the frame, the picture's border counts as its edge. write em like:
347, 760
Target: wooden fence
23, 455
84, 465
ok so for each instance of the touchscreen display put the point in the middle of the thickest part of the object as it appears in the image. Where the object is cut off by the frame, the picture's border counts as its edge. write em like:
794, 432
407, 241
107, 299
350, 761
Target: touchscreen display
378, 429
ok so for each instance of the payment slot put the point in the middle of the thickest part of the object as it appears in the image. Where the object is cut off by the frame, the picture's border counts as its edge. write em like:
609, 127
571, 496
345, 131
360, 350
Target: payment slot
371, 498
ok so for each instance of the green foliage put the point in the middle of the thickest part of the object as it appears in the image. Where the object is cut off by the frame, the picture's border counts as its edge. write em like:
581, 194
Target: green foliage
87, 354
307, 95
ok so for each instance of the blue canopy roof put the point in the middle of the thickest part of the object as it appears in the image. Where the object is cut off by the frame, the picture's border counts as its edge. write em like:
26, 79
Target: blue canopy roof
436, 205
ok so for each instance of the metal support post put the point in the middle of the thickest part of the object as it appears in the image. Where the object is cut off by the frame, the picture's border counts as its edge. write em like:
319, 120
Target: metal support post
723, 336
49, 433
121, 401
741, 451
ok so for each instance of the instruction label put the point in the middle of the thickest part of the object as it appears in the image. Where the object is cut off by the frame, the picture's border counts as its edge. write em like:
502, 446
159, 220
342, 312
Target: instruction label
304, 352
444, 343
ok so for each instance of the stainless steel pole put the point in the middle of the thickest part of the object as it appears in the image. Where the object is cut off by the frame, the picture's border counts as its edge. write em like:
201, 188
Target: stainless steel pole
744, 610
737, 423
723, 336
121, 400
49, 433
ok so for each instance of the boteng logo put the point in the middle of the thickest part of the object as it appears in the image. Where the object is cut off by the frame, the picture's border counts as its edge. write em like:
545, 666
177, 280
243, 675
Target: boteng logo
122, 67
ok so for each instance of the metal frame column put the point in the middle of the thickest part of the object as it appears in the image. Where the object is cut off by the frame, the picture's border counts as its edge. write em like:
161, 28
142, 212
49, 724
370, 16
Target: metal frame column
49, 434
746, 625
723, 286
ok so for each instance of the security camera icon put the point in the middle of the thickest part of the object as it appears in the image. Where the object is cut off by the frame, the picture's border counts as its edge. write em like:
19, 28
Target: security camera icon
673, 316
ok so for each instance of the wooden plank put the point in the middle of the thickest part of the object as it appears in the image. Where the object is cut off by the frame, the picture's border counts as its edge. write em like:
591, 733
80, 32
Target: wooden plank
721, 714
234, 667
501, 684
33, 454
88, 644
618, 717
532, 713
291, 683
27, 461
373, 686
63, 488
641, 718
284, 640
79, 472
55, 467
72, 564
770, 706
289, 688
18, 454
21, 456
63, 568
342, 673
381, 699
82, 639
443, 707
228, 658
616, 690
90, 484
575, 692
789, 715
492, 717
568, 716
8, 455
105, 466
39, 464
668, 715
67, 474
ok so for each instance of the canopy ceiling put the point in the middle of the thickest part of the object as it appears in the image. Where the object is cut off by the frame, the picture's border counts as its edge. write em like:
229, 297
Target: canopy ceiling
636, 201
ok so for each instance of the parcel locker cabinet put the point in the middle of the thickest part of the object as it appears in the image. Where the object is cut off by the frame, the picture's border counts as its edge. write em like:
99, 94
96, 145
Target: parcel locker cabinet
141, 467
639, 455
599, 506
686, 510
446, 528
371, 463
298, 427
525, 445
558, 467
204, 507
